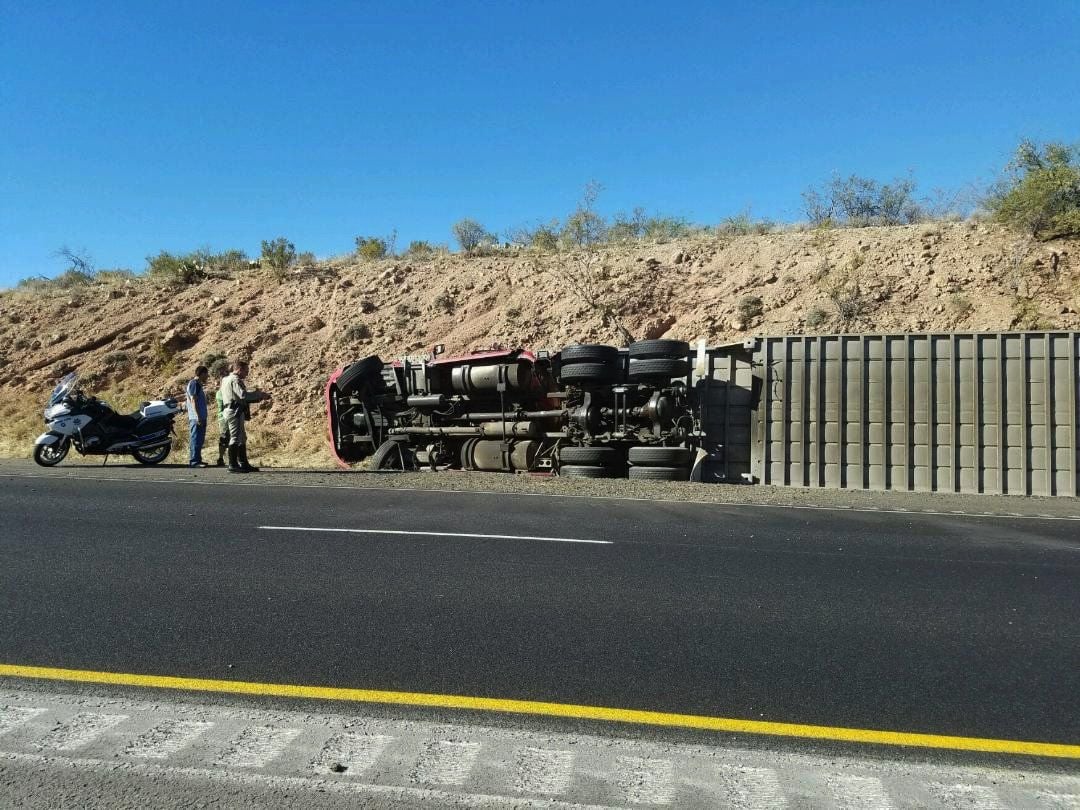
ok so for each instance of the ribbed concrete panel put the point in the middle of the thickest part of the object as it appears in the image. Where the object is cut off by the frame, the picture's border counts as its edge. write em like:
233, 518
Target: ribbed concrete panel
983, 412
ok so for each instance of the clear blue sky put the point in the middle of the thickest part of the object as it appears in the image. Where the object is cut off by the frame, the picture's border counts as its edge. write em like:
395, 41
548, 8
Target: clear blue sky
128, 128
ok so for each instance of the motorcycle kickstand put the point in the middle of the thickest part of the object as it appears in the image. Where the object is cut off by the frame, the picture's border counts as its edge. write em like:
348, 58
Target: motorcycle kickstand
106, 461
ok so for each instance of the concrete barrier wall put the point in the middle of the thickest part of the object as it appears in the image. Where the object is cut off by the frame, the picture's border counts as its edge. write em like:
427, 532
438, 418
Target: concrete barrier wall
986, 412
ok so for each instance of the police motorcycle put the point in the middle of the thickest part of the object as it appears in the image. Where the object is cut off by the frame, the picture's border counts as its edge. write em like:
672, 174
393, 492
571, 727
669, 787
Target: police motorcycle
74, 419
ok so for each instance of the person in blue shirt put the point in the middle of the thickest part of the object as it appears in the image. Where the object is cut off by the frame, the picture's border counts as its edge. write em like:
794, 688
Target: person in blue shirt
196, 411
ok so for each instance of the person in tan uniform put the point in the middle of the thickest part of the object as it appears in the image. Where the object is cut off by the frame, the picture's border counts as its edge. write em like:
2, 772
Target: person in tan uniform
236, 401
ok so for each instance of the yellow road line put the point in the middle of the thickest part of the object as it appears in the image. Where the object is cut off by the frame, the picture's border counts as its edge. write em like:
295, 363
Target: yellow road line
856, 735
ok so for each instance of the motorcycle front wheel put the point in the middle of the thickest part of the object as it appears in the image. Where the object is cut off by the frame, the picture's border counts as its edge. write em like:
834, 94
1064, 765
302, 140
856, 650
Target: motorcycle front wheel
154, 456
49, 455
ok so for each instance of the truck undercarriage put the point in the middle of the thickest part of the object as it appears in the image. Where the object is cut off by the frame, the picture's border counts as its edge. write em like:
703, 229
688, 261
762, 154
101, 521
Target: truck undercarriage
588, 411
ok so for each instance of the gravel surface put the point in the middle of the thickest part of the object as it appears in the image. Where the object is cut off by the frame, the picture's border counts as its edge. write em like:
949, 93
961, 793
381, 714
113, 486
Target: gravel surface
580, 488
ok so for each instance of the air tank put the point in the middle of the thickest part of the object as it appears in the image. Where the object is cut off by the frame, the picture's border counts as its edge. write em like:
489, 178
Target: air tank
495, 456
472, 379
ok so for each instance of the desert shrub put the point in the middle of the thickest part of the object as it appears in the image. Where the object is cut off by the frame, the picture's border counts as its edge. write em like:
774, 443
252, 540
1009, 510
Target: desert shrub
72, 278
513, 313
743, 224
163, 356
227, 261
1041, 196
306, 259
217, 363
750, 306
844, 289
419, 249
170, 268
118, 275
860, 201
664, 228
357, 332
1027, 315
816, 318
638, 225
33, 284
542, 237
445, 302
406, 311
583, 228
961, 305
279, 255
68, 280
117, 358
628, 227
471, 235
371, 248
275, 359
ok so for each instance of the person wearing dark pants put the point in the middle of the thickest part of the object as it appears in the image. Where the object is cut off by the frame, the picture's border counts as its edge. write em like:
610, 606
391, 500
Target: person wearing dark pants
236, 400
196, 411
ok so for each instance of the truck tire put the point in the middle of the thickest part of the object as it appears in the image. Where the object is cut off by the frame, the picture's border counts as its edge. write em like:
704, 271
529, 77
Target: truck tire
585, 471
664, 349
591, 456
393, 454
362, 369
658, 369
660, 456
588, 353
660, 473
599, 373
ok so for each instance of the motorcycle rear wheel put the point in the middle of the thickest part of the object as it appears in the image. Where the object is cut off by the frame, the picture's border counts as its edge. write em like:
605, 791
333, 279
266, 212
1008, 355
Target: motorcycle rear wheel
151, 457
49, 455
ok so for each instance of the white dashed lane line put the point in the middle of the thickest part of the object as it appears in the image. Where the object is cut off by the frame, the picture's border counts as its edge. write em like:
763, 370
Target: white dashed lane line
401, 532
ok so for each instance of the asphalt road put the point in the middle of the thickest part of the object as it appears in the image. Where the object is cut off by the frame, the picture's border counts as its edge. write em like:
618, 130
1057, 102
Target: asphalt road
923, 623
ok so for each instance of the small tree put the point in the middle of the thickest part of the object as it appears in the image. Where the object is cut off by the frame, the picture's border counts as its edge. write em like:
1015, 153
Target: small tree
628, 228
584, 227
371, 247
584, 280
542, 237
279, 254
1042, 195
79, 261
471, 235
861, 201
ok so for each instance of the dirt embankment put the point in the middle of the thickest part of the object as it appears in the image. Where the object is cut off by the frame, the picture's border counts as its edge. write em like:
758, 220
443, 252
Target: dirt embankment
137, 339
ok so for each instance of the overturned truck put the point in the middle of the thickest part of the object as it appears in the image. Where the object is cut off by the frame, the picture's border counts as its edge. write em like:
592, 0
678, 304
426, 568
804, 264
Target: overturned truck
588, 411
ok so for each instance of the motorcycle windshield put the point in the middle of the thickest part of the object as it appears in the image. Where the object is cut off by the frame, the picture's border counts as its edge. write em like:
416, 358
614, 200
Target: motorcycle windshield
63, 388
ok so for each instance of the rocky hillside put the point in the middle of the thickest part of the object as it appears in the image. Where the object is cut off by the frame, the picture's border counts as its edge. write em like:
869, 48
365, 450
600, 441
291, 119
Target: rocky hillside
133, 339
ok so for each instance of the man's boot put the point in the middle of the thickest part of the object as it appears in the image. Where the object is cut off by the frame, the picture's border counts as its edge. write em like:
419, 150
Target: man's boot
234, 459
222, 449
244, 463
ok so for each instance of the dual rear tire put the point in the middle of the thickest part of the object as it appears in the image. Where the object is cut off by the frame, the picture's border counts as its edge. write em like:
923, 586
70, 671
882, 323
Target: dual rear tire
590, 462
660, 463
588, 364
658, 360
650, 361
647, 463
